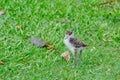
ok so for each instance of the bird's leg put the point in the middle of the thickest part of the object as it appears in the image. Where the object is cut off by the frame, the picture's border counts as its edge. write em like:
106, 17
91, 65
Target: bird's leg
74, 65
79, 61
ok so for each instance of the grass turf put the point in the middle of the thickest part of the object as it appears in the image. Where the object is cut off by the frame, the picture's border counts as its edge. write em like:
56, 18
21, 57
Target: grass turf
48, 21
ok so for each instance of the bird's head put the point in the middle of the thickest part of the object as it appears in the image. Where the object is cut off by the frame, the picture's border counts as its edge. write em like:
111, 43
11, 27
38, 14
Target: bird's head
69, 34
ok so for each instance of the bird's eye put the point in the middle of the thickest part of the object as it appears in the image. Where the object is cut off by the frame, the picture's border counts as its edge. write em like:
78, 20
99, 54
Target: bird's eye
70, 33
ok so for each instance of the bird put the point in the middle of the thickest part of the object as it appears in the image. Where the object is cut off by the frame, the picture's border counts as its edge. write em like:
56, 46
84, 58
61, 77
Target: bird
74, 45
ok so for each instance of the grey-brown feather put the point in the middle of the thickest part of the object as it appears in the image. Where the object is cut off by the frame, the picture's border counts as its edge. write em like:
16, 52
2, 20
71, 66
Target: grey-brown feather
76, 43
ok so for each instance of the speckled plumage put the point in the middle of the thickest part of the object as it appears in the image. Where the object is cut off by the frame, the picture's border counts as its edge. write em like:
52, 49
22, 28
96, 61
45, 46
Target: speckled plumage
76, 43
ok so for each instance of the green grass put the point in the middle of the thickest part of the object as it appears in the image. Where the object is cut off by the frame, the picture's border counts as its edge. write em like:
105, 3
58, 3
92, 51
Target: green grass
48, 20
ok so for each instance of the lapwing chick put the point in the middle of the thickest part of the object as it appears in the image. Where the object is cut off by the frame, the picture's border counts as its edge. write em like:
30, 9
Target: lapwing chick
74, 45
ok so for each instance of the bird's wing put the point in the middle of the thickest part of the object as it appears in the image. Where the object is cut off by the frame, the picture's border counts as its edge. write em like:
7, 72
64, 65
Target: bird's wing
77, 43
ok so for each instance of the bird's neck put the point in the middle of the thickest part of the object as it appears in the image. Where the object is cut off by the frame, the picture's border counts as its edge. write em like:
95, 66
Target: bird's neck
68, 38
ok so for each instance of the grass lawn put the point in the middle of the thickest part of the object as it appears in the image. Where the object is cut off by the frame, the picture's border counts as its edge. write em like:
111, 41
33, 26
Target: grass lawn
98, 25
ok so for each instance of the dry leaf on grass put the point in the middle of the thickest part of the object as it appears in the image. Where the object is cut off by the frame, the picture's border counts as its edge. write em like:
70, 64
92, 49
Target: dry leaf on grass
107, 2
66, 55
103, 25
49, 46
18, 27
104, 39
1, 62
60, 12
1, 12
